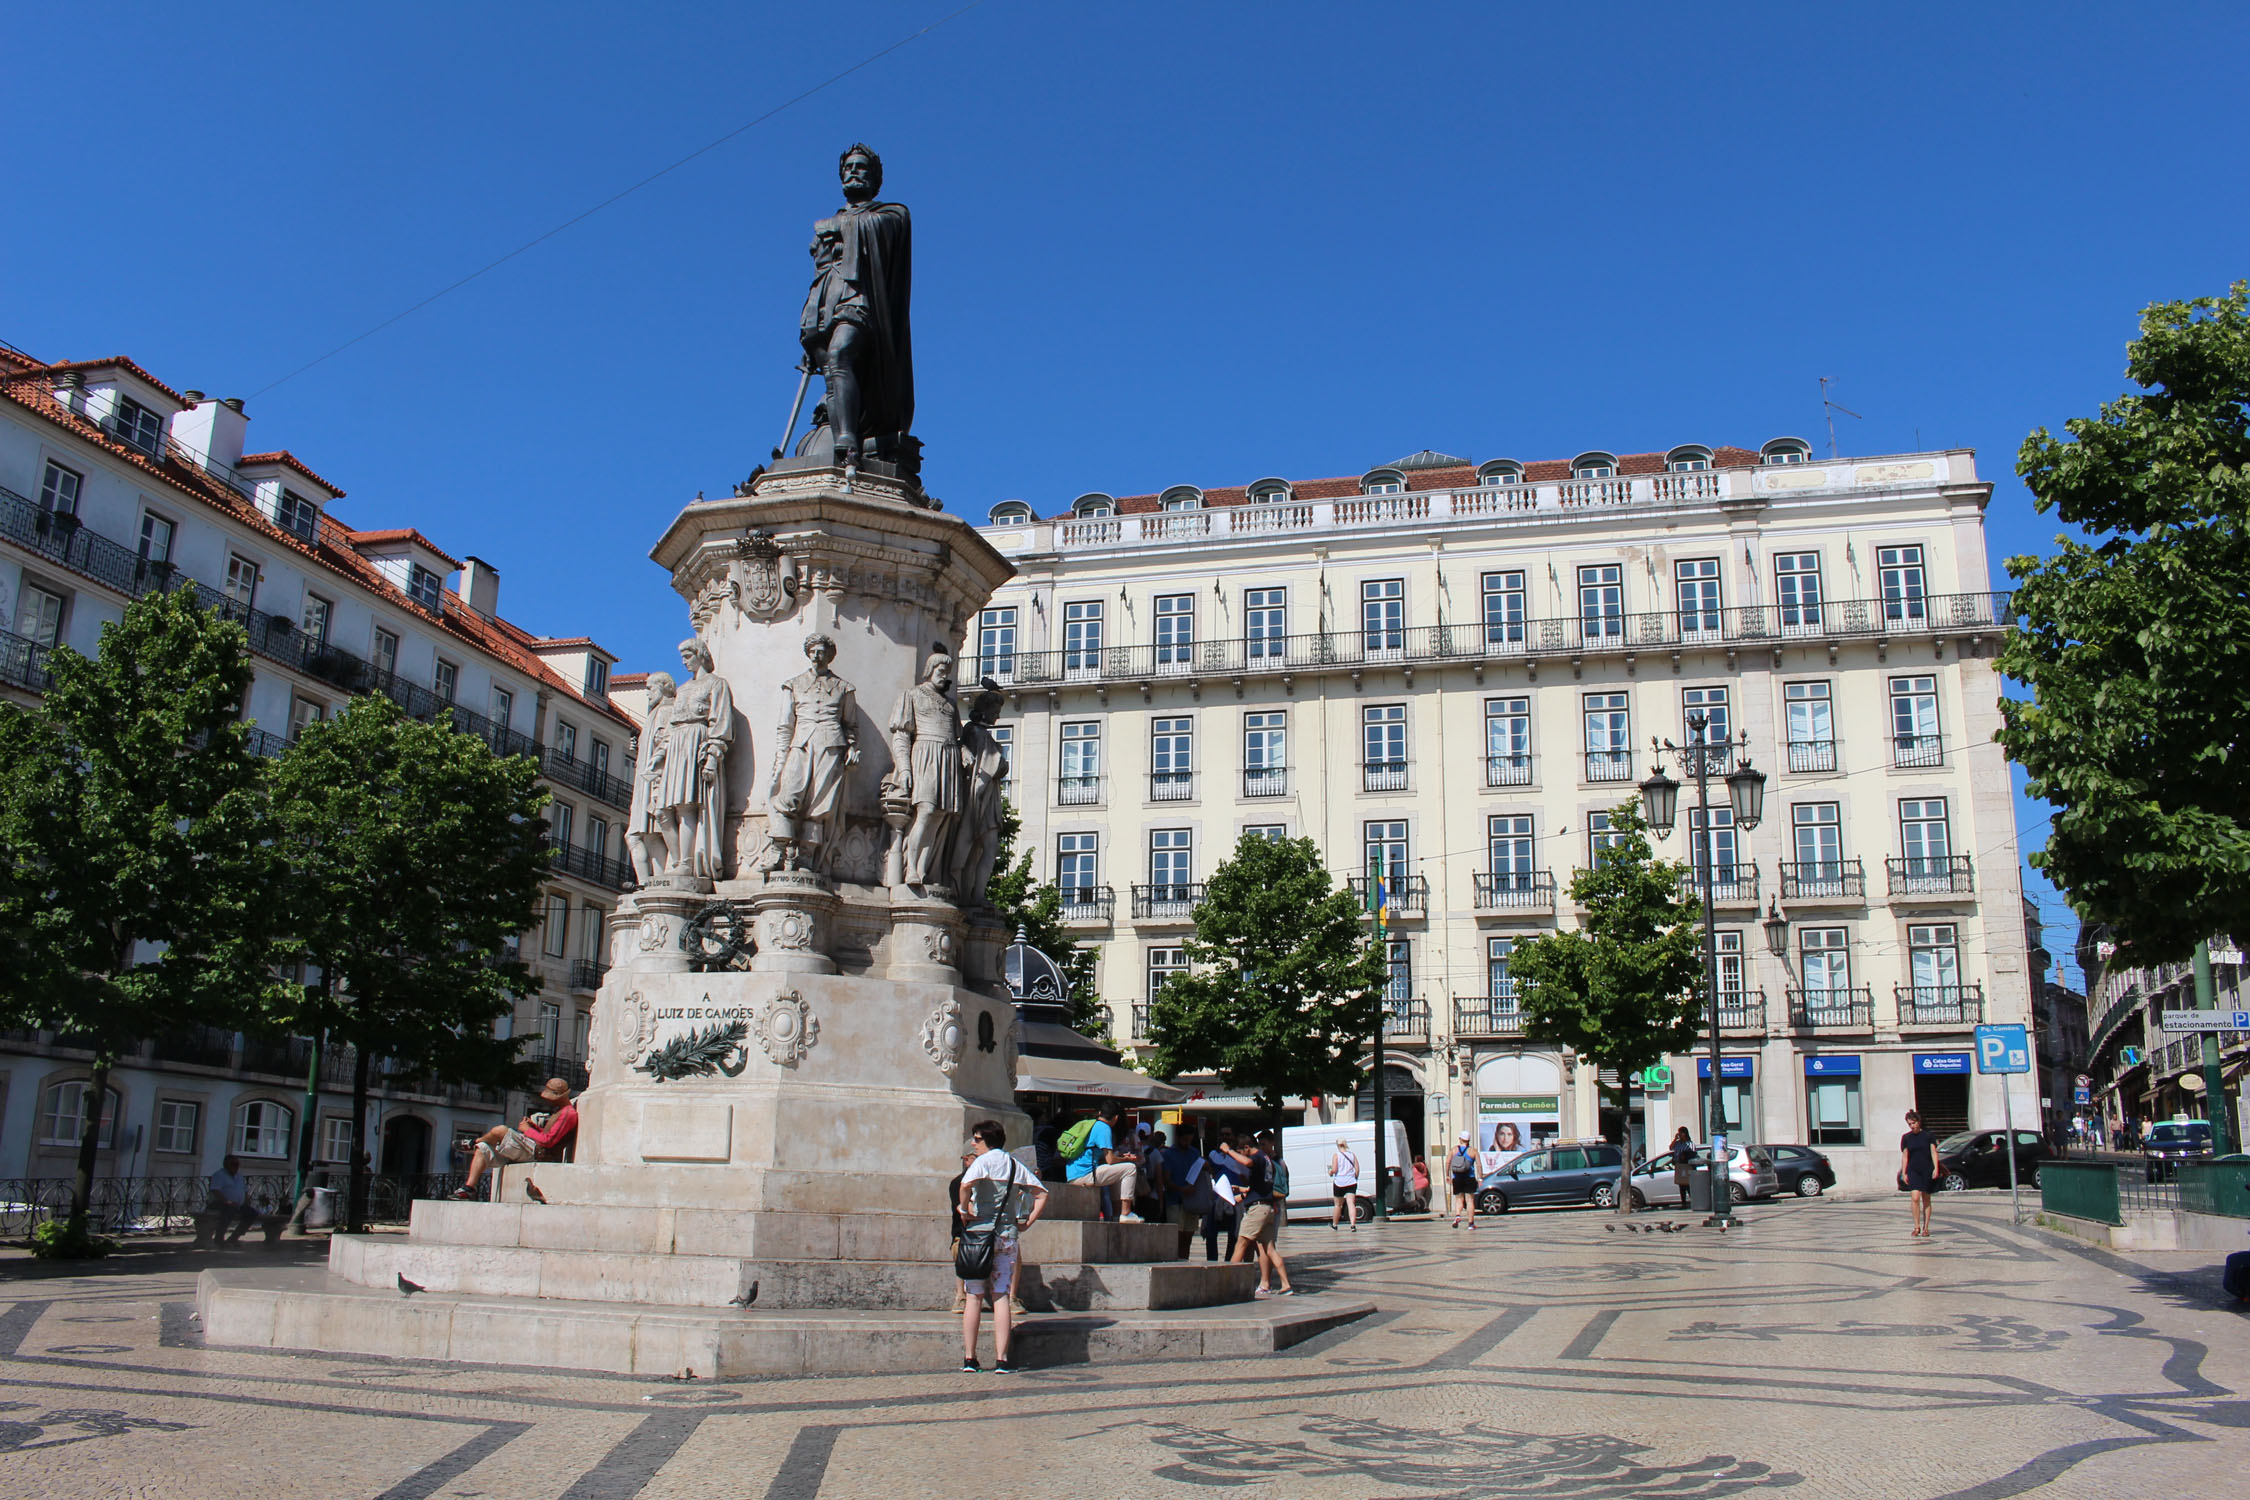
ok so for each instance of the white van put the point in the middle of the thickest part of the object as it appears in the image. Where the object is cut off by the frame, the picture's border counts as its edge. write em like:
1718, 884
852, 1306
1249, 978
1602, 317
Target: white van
1308, 1148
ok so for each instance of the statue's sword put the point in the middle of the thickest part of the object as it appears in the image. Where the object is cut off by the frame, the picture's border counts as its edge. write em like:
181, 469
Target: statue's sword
804, 378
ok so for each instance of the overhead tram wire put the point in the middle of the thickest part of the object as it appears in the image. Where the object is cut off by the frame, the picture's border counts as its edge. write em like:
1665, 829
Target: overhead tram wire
623, 193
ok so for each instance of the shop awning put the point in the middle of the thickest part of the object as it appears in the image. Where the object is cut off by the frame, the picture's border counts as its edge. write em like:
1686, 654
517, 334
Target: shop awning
1085, 1075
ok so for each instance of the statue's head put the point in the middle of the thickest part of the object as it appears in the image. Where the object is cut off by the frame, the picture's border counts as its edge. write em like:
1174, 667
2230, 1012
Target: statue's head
986, 710
861, 171
694, 654
939, 672
661, 686
820, 646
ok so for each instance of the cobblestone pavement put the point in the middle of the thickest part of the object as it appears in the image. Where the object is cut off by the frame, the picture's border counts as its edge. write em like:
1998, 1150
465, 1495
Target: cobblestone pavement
1818, 1351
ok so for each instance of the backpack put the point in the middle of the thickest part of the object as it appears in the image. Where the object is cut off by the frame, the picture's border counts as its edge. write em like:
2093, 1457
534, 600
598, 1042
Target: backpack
1281, 1179
1072, 1142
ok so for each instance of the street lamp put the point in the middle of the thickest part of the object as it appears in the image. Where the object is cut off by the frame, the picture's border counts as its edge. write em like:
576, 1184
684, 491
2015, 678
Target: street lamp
1777, 930
1660, 801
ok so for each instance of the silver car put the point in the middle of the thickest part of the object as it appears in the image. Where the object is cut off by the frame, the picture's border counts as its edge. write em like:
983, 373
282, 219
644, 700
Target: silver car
1750, 1174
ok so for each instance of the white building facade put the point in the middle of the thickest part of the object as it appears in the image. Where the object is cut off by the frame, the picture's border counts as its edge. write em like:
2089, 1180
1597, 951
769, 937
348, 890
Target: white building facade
114, 485
1452, 672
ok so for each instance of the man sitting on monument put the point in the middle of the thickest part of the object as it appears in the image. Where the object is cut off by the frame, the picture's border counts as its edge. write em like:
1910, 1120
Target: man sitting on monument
1100, 1163
541, 1135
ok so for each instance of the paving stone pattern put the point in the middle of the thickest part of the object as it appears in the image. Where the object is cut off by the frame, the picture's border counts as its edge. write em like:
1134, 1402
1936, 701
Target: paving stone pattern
1819, 1352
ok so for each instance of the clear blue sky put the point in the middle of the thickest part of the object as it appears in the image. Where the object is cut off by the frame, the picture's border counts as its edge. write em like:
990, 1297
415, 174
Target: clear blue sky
1155, 243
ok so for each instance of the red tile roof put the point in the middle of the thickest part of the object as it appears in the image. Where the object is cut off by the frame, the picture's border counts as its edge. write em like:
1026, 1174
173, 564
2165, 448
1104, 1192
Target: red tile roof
115, 362
401, 534
288, 460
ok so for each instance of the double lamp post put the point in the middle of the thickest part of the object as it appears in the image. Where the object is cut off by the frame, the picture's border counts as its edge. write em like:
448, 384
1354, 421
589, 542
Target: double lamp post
1660, 803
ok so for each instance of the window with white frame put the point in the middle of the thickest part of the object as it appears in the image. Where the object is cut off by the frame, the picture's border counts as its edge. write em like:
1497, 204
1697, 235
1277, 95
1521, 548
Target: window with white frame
1796, 590
1733, 977
1399, 961
1710, 703
1272, 833
314, 617
597, 677
445, 680
557, 927
566, 740
425, 587
59, 488
1924, 836
1507, 741
1082, 637
62, 1116
597, 840
1163, 964
178, 1122
242, 583
1175, 630
130, 422
503, 706
1171, 862
1383, 746
304, 713
996, 643
1383, 844
1511, 854
562, 819
1499, 984
1817, 833
1934, 964
1711, 842
1382, 615
601, 757
261, 1129
1609, 745
156, 537
297, 515
1903, 583
1697, 580
1503, 608
1809, 722
39, 615
1077, 867
1265, 622
386, 651
1265, 754
1081, 779
1171, 776
336, 1138
1915, 740
1602, 835
1824, 960
1601, 601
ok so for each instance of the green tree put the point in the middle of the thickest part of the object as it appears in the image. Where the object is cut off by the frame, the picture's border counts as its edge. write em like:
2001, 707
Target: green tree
414, 855
1624, 989
1285, 984
131, 828
1034, 908
2136, 643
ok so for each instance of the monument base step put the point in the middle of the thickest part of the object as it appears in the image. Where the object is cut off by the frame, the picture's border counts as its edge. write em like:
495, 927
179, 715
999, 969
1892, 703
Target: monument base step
717, 1281
307, 1308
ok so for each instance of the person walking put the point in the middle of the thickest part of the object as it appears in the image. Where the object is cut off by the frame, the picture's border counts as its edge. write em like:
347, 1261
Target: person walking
1343, 1181
1223, 1174
995, 1180
1918, 1171
1682, 1152
1461, 1168
1262, 1209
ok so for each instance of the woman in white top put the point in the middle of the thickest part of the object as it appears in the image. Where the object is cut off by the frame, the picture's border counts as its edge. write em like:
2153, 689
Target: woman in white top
1343, 1179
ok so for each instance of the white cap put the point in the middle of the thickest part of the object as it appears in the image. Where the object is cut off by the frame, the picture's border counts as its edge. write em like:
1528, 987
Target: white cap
1464, 1135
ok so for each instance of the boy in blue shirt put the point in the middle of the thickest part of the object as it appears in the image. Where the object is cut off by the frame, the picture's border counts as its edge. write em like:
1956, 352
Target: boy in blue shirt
1101, 1164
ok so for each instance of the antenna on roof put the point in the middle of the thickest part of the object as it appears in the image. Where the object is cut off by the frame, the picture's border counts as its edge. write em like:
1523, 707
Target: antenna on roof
1832, 408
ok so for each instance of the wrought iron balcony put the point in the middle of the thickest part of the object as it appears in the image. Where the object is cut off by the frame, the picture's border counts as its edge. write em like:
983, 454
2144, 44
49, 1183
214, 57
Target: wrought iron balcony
586, 973
1917, 750
1811, 756
567, 1066
1832, 1010
1486, 1015
1406, 1017
1609, 765
1265, 781
1383, 775
1171, 786
1932, 875
1515, 890
571, 859
1167, 903
207, 1046
1939, 1004
1823, 880
1508, 770
23, 662
1088, 903
1078, 791
1731, 885
1409, 894
1740, 1011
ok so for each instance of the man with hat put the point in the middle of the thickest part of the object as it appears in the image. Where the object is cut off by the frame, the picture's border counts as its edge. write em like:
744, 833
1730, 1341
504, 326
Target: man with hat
540, 1135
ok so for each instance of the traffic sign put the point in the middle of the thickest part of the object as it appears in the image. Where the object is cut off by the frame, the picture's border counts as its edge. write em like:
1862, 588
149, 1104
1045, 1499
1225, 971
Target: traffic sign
2084, 1081
2003, 1049
2206, 1020
2085, 1096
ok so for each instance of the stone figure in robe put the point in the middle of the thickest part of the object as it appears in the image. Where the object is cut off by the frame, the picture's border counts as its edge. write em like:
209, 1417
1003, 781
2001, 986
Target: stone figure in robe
925, 731
817, 742
645, 841
855, 328
984, 767
691, 784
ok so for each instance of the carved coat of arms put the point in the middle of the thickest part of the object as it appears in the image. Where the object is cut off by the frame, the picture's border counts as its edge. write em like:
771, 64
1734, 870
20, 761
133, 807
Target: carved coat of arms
763, 584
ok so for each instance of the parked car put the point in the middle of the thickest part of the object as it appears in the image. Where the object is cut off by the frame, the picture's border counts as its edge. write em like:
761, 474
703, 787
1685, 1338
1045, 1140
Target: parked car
1750, 1174
1581, 1173
1802, 1170
1979, 1158
2171, 1142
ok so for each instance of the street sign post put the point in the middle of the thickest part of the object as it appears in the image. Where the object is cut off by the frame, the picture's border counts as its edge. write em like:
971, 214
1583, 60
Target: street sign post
2005, 1050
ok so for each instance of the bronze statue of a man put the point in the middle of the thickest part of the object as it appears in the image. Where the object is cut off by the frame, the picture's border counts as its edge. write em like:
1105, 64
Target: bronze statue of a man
854, 327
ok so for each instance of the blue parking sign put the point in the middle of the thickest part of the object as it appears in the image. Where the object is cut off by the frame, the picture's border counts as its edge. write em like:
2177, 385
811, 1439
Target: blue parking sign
2003, 1049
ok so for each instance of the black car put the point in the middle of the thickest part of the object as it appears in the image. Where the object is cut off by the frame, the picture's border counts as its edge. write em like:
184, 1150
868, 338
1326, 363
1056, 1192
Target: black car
2171, 1142
1979, 1158
1802, 1170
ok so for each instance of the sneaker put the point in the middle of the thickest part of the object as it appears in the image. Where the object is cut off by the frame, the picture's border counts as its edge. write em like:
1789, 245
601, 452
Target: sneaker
1003, 1367
1131, 1219
970, 1366
463, 1194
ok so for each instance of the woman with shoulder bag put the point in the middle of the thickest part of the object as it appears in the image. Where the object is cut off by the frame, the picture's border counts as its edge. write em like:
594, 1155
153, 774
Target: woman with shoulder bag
999, 1199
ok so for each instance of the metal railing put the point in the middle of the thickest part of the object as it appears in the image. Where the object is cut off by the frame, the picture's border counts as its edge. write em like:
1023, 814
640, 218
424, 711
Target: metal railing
1408, 893
1383, 775
23, 662
1823, 880
204, 1046
586, 973
1917, 750
1406, 1018
2208, 1187
1609, 765
1265, 781
1171, 786
1078, 791
1515, 890
169, 1205
2080, 1189
1507, 770
573, 859
1740, 1011
1167, 903
1486, 1015
1939, 1004
568, 1066
1808, 756
1088, 903
1931, 875
1832, 1010
1731, 885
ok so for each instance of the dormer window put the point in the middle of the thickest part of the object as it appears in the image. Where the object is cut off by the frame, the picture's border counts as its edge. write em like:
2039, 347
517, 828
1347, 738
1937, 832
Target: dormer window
424, 588
135, 425
1180, 497
1010, 513
1269, 492
597, 677
1383, 482
1090, 507
1786, 451
1500, 471
1688, 459
1593, 466
297, 515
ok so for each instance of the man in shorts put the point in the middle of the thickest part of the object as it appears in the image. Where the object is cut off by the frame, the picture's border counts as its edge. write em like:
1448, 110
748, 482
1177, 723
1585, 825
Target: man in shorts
539, 1136
1261, 1212
992, 1179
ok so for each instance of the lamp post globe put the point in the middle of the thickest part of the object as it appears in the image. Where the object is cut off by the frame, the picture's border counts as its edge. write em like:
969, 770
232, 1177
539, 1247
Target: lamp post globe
1747, 788
1660, 802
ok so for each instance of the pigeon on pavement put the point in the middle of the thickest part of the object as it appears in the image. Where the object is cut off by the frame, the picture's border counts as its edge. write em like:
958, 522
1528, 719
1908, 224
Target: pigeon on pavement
409, 1288
746, 1298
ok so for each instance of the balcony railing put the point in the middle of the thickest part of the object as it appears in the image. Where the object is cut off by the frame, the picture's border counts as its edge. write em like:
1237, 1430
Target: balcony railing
1507, 770
1265, 781
1409, 894
1486, 1015
1741, 1011
1167, 903
23, 662
1088, 903
567, 1066
1609, 765
1917, 750
1731, 885
1406, 1018
586, 973
1939, 1004
588, 778
1931, 875
571, 859
1171, 786
1808, 756
1823, 880
206, 1046
1515, 890
1078, 791
1832, 1010
1383, 775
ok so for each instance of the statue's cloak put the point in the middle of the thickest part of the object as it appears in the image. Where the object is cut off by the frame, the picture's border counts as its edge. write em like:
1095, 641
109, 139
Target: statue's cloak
877, 260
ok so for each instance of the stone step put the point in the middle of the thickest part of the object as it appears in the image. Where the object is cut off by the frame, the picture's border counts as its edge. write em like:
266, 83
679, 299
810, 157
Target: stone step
756, 1235
306, 1308
717, 1281
596, 1185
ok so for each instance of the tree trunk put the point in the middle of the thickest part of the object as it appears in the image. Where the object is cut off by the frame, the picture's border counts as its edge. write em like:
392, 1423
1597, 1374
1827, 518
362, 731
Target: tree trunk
89, 1142
356, 1212
305, 1136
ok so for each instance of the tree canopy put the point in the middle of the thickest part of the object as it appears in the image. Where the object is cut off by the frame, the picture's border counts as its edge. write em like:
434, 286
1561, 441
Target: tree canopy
1035, 908
2135, 643
1285, 984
